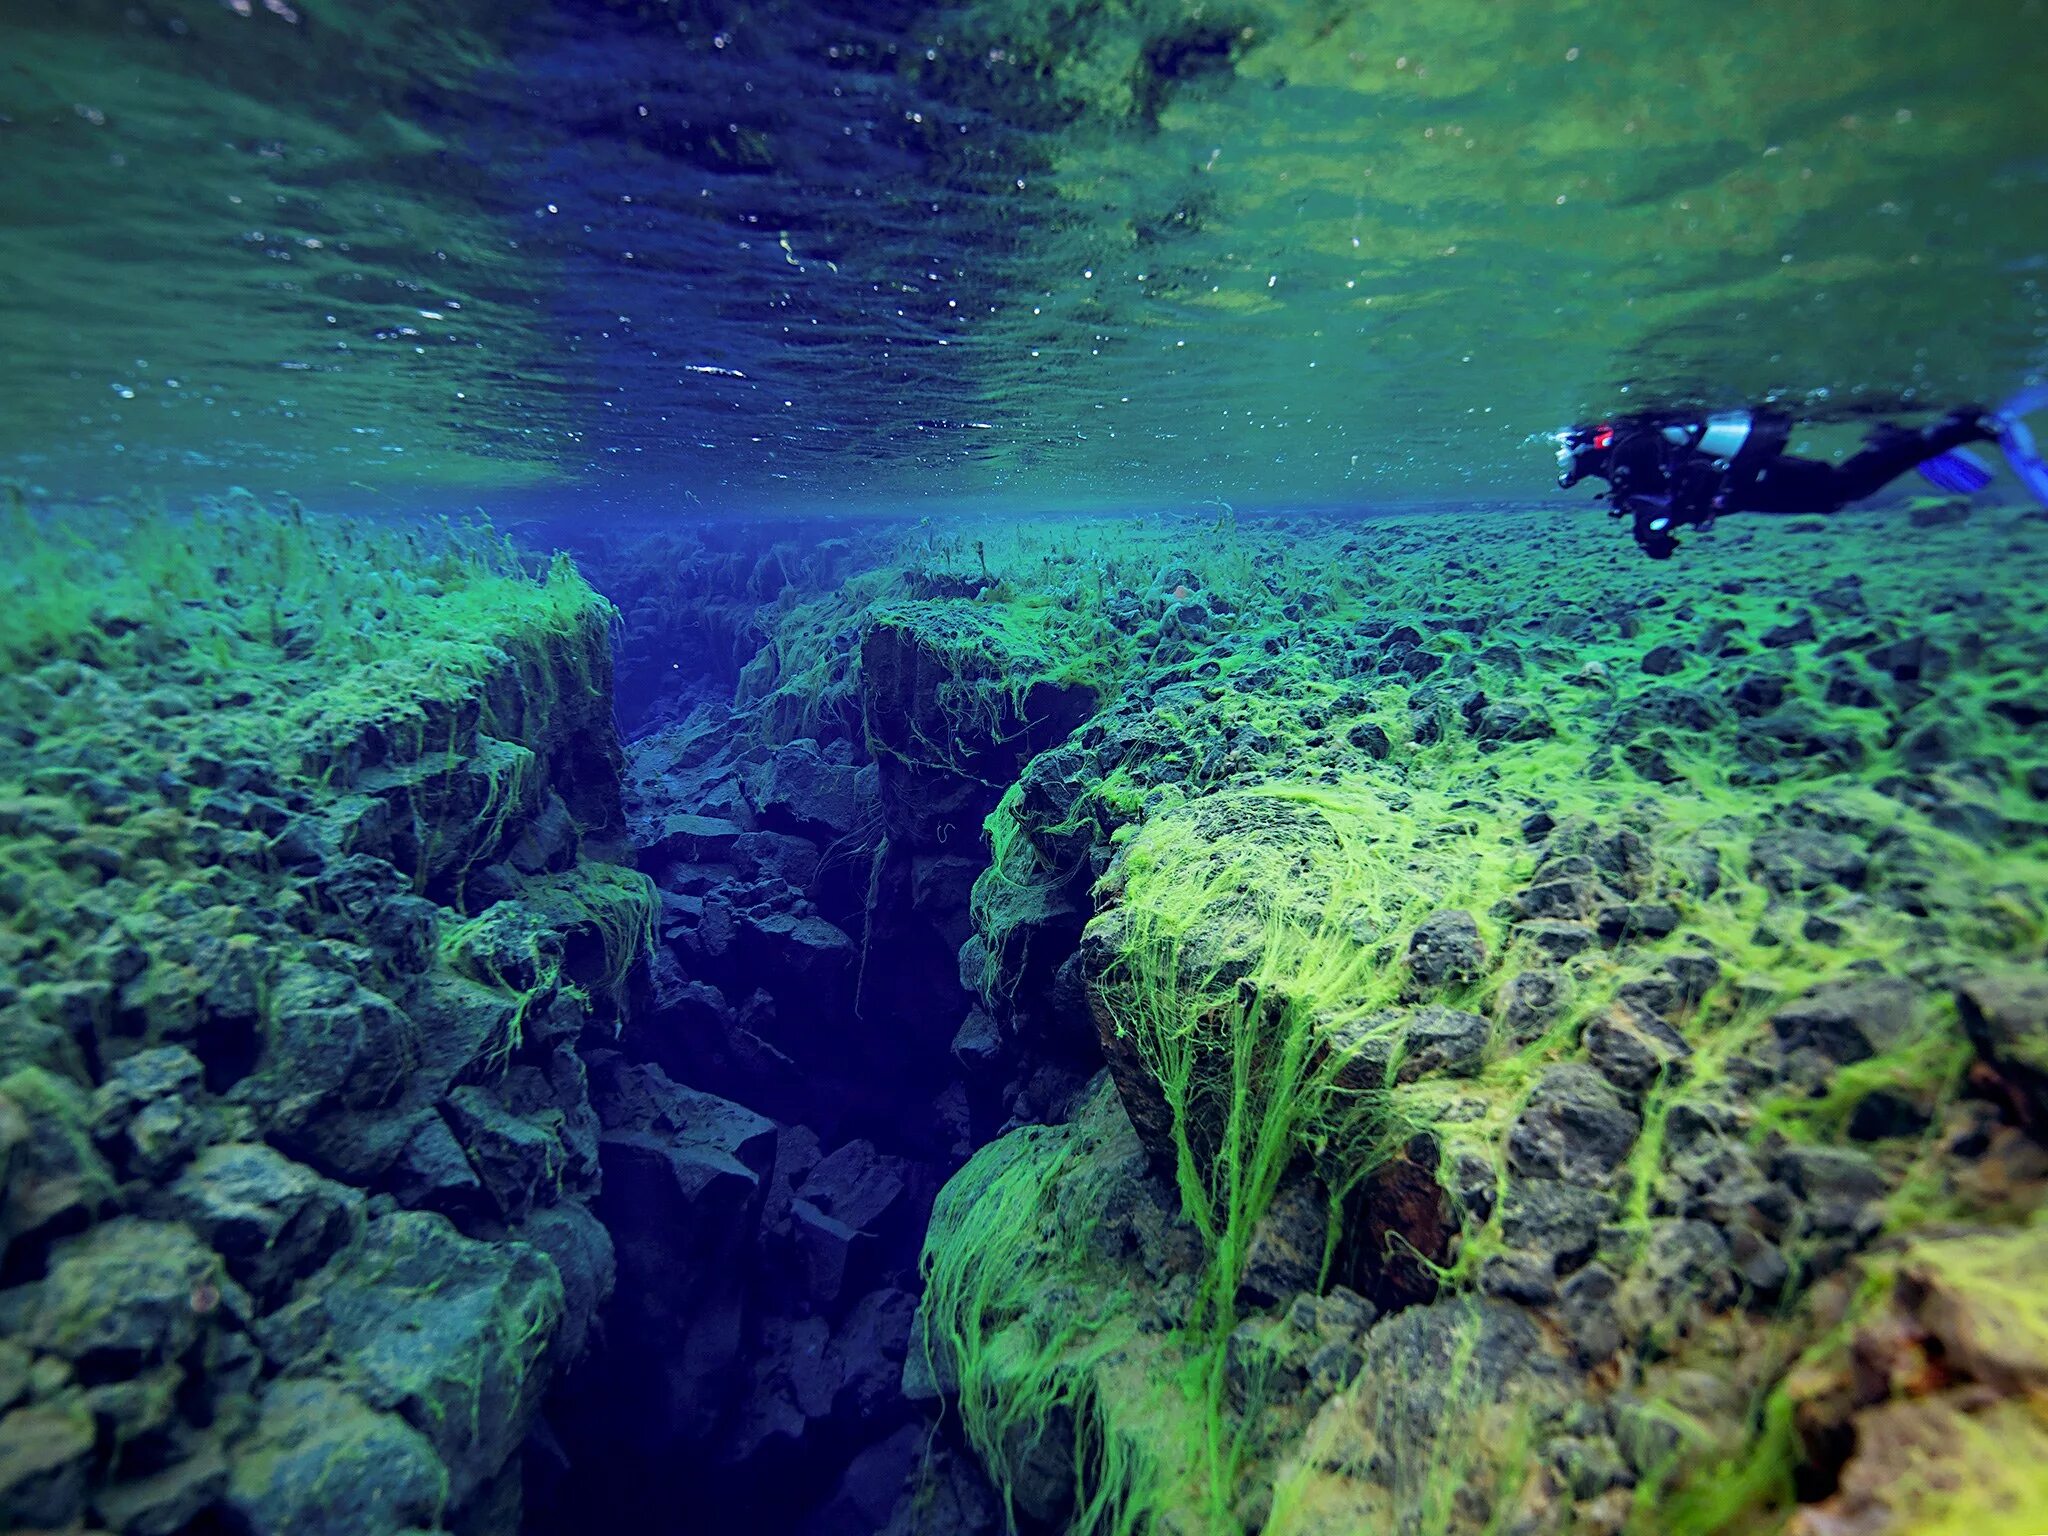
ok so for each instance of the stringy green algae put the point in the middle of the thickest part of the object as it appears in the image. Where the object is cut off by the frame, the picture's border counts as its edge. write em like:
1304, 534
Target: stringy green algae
1242, 959
1243, 954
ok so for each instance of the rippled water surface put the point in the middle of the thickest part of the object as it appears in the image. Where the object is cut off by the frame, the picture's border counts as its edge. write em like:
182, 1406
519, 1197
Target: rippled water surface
830, 254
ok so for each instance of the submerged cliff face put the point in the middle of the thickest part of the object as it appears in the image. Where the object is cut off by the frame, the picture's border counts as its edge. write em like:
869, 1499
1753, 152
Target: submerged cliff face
312, 922
1546, 1023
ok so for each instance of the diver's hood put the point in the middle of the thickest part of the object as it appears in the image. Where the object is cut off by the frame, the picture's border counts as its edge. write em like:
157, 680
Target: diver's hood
1581, 450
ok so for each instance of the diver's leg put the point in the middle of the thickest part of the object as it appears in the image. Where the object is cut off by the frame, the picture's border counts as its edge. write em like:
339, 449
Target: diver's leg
1788, 486
1896, 450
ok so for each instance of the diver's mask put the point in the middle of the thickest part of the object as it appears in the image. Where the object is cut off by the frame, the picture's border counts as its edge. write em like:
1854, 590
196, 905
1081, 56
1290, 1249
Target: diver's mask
1580, 451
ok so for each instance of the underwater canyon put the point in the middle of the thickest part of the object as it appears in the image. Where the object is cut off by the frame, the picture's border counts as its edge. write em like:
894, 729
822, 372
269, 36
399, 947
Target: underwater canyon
966, 1026
871, 769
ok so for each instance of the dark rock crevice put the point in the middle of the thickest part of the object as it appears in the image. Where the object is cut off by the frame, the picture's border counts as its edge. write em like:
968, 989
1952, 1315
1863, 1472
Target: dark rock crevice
808, 986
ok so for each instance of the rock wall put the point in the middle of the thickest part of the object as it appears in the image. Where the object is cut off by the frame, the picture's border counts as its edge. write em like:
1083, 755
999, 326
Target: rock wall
310, 920
1549, 1050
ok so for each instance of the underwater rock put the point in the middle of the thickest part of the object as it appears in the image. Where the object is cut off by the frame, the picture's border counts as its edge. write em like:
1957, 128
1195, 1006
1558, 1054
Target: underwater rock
46, 1455
1923, 1390
452, 1334
1512, 720
803, 792
2006, 1015
1847, 1021
1805, 859
1663, 660
1285, 1253
324, 1463
166, 1501
1439, 1041
684, 1179
53, 1179
1406, 1227
1442, 1378
273, 1220
1446, 947
1529, 1001
1633, 1048
954, 708
868, 1352
1574, 1127
1796, 631
1239, 834
128, 1294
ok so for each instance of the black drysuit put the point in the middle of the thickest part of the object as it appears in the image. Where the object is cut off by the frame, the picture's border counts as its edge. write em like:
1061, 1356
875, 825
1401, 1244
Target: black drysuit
1667, 472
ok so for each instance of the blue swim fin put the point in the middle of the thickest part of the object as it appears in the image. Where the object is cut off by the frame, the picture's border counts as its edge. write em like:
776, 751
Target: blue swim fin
2029, 400
1958, 471
2016, 439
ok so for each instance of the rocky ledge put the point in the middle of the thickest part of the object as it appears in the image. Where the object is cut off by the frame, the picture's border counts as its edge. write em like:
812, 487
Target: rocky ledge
1572, 1056
310, 920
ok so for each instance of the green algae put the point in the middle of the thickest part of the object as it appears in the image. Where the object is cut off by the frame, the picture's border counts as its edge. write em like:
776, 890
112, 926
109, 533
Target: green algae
1268, 858
318, 809
1022, 1374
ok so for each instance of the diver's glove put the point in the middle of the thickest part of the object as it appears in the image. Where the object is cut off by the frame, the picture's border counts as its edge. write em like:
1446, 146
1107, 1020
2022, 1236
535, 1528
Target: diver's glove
1651, 522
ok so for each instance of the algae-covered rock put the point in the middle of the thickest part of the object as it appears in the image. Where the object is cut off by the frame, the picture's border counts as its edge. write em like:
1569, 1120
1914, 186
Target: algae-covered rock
337, 1045
956, 700
1846, 1021
46, 1456
1445, 947
2007, 1019
51, 1175
130, 1293
164, 1502
273, 1220
236, 842
1424, 1431
514, 1157
322, 1462
454, 1335
1604, 998
1922, 1420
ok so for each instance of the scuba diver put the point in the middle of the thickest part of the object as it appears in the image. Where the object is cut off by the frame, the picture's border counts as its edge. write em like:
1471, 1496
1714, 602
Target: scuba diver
1667, 470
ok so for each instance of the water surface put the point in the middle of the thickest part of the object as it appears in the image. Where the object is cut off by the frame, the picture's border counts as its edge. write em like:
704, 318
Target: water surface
810, 253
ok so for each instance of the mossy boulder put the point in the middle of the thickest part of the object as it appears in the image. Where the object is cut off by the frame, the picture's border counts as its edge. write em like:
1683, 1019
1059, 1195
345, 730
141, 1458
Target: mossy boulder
273, 1220
46, 1455
322, 1462
129, 1294
451, 1334
50, 1172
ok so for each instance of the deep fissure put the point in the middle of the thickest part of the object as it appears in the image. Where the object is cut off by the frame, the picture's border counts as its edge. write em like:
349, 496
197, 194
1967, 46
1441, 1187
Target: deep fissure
1076, 1029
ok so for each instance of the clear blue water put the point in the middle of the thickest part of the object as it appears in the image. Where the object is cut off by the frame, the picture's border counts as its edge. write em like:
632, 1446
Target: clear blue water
805, 255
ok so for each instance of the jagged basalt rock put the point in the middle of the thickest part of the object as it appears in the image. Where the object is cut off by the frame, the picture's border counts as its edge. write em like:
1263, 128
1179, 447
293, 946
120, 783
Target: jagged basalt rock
273, 1220
2007, 1019
264, 1020
1510, 1028
1647, 1045
1446, 947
